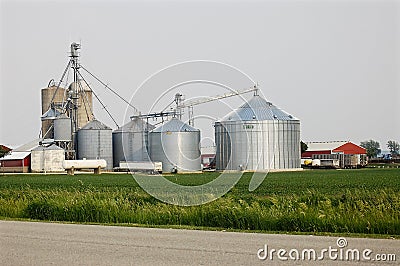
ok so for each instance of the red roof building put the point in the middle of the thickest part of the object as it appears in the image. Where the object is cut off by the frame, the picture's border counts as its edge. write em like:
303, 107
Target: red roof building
19, 159
16, 162
333, 147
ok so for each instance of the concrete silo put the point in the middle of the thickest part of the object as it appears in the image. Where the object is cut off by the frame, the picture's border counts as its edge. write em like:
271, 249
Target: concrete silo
95, 142
84, 97
130, 141
51, 98
257, 136
176, 145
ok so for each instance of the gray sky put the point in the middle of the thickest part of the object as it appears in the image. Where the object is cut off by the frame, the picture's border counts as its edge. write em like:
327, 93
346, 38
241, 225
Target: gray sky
333, 64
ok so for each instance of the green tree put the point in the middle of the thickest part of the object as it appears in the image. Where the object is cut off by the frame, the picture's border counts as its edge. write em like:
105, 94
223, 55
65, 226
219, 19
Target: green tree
394, 147
2, 152
303, 146
372, 147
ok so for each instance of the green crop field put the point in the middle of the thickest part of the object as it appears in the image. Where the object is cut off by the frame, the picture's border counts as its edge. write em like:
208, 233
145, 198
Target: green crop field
365, 201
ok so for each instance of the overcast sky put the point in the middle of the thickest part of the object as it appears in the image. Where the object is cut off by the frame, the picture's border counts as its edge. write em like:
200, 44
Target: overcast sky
333, 64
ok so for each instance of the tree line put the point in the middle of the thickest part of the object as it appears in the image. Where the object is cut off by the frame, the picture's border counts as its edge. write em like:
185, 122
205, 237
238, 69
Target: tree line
373, 147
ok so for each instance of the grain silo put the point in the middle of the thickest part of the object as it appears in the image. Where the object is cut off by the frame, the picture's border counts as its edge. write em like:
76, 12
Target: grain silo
130, 141
176, 145
95, 142
257, 136
52, 97
81, 91
62, 129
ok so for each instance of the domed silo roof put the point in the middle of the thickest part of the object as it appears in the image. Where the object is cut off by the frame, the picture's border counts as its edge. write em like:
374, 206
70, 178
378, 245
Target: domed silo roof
175, 125
51, 114
52, 147
80, 84
257, 109
135, 125
95, 125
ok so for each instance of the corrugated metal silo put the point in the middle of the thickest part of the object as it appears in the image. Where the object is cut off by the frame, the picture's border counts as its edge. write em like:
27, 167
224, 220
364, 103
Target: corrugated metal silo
257, 136
176, 145
62, 128
95, 142
130, 141
85, 102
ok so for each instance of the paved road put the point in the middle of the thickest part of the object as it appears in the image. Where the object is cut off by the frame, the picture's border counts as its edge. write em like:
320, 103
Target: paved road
34, 243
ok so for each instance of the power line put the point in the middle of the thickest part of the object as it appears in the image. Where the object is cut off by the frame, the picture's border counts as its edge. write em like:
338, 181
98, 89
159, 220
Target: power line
95, 95
113, 91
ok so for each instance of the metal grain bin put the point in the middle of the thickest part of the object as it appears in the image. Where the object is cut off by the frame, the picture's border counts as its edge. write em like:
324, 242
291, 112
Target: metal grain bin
176, 145
257, 136
130, 141
62, 128
48, 123
95, 142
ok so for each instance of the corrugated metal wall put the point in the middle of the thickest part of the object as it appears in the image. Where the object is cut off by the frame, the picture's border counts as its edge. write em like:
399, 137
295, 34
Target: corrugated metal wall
257, 136
95, 143
258, 145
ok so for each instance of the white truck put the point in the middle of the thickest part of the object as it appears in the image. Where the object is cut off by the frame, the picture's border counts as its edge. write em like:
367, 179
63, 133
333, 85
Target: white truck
141, 166
325, 163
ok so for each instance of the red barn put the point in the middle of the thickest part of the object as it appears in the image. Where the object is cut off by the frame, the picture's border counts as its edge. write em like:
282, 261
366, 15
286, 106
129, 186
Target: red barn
16, 162
19, 159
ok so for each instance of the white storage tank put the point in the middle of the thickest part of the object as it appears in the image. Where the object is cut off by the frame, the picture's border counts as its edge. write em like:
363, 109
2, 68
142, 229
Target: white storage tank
47, 159
257, 136
176, 145
130, 141
95, 142
84, 164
